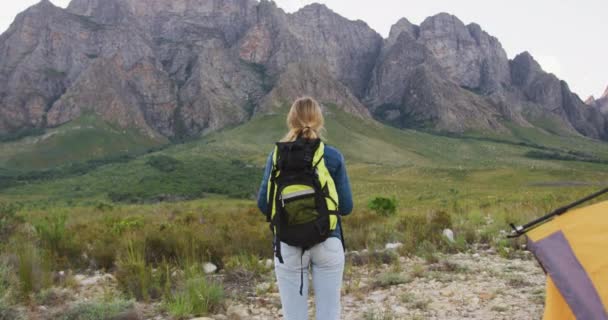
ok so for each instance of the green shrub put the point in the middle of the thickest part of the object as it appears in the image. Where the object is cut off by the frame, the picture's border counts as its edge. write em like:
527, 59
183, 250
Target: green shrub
33, 270
245, 261
9, 221
383, 206
134, 276
243, 268
414, 229
8, 312
103, 252
358, 229
98, 310
196, 296
379, 314
391, 279
119, 225
166, 244
439, 220
126, 197
4, 280
163, 163
55, 237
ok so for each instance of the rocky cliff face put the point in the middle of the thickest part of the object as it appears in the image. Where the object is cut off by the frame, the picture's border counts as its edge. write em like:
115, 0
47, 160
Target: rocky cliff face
316, 35
471, 57
601, 103
186, 67
554, 96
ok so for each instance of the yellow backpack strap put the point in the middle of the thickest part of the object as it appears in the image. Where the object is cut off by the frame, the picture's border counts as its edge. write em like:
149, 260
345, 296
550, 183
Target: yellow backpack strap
271, 196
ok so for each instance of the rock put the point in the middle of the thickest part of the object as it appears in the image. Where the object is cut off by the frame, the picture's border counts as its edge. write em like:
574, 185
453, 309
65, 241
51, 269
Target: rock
555, 98
203, 318
269, 263
393, 246
209, 268
263, 287
237, 312
127, 315
168, 68
448, 234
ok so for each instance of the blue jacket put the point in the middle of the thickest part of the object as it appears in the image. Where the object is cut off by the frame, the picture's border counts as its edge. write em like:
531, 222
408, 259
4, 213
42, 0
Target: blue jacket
337, 169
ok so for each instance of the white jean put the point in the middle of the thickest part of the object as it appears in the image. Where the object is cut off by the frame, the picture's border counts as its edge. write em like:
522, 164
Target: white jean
327, 260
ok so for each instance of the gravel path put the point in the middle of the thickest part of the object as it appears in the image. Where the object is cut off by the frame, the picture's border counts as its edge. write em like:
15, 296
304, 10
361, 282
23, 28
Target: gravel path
460, 286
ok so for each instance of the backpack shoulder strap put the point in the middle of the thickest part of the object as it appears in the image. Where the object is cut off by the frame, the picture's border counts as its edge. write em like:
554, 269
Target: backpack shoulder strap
270, 196
319, 154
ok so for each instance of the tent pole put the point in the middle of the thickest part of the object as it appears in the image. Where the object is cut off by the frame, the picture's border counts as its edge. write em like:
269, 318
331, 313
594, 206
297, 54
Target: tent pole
519, 230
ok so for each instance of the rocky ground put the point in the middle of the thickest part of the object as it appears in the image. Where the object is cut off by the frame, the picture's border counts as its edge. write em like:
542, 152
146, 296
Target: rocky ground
480, 285
460, 286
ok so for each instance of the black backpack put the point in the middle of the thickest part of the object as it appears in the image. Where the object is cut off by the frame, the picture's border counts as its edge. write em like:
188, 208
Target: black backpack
301, 194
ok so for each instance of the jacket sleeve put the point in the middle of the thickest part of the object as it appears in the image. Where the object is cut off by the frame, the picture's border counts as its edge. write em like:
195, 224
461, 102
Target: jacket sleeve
262, 193
345, 196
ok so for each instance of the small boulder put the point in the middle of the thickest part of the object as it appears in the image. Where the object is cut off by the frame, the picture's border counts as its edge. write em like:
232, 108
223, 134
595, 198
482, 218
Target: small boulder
449, 234
209, 268
269, 263
393, 246
236, 312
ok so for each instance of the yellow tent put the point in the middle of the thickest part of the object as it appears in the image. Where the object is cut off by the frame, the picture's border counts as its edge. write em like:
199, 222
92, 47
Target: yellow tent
572, 247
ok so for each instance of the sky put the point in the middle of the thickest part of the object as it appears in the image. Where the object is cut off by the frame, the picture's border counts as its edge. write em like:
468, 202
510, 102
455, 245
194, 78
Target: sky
565, 36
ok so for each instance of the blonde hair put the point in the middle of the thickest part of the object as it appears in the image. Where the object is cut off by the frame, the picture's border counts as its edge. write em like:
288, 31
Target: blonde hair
305, 117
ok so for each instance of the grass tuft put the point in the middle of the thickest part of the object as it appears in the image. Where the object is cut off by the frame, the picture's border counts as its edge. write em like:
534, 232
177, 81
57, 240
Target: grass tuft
97, 310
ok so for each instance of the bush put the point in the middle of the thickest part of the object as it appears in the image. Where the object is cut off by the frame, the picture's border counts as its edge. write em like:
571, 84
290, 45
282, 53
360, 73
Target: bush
137, 278
391, 279
8, 313
163, 163
383, 206
164, 245
55, 237
422, 234
197, 296
9, 221
439, 220
103, 252
243, 269
133, 275
5, 281
33, 270
97, 310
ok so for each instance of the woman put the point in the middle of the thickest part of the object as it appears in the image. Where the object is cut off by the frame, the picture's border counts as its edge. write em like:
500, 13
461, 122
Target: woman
305, 120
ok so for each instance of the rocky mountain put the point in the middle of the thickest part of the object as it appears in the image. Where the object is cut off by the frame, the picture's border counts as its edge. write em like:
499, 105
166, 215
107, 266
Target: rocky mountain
173, 68
600, 103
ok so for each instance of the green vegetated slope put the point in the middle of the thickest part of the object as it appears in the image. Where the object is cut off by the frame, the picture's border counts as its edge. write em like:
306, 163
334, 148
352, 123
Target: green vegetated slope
418, 168
84, 139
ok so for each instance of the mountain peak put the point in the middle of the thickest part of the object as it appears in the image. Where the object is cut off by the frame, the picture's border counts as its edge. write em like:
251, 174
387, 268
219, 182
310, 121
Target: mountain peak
443, 18
403, 25
318, 8
524, 68
528, 59
590, 101
605, 95
44, 5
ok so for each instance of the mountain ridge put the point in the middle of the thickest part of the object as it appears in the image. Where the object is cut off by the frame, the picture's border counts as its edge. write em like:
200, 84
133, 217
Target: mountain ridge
190, 67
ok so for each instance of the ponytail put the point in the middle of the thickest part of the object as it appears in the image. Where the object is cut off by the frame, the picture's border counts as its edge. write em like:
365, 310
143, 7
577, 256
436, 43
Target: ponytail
305, 119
